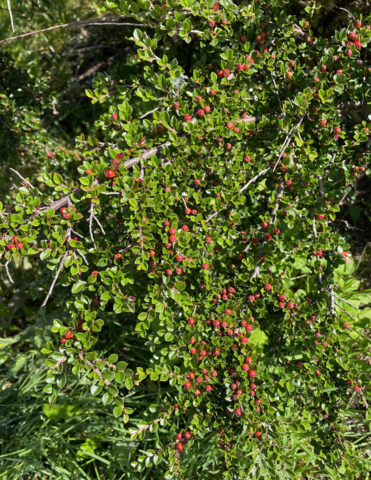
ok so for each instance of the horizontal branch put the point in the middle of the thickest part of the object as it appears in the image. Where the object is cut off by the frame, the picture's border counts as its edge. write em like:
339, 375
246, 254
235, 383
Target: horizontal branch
128, 164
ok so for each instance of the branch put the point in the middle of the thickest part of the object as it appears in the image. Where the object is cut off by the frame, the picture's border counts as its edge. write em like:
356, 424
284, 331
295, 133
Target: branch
342, 299
60, 361
26, 181
10, 15
102, 229
332, 300
67, 25
128, 164
7, 270
91, 224
263, 172
281, 188
55, 278
149, 113
275, 86
288, 138
87, 263
343, 309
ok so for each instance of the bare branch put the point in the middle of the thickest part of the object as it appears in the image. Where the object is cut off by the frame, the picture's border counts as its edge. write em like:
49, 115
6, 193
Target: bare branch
63, 259
275, 86
100, 226
91, 224
10, 15
82, 255
342, 299
128, 164
67, 25
332, 300
263, 172
343, 309
288, 139
281, 188
149, 113
7, 270
24, 180
60, 361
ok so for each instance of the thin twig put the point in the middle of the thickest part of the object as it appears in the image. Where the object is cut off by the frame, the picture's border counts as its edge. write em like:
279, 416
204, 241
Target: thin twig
7, 270
91, 224
76, 233
275, 86
128, 164
343, 309
100, 226
281, 188
287, 140
149, 113
345, 10
342, 299
263, 172
332, 300
10, 15
26, 181
87, 263
55, 278
65, 25
322, 191
345, 195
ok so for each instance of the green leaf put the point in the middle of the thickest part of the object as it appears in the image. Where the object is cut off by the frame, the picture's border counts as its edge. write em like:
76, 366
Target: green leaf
129, 383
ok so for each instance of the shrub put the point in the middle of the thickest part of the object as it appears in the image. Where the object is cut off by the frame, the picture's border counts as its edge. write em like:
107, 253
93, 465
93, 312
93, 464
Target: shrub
198, 215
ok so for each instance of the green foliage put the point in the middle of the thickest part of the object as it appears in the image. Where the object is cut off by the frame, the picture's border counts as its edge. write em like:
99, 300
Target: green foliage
204, 228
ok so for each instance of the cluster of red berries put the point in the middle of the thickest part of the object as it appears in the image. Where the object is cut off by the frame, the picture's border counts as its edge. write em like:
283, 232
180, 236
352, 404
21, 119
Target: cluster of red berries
182, 440
224, 294
67, 336
14, 244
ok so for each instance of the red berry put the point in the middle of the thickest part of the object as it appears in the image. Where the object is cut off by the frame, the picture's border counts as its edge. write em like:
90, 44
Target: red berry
356, 388
187, 385
169, 272
109, 173
237, 412
258, 434
68, 335
187, 118
185, 228
252, 374
114, 116
230, 125
191, 321
320, 216
200, 113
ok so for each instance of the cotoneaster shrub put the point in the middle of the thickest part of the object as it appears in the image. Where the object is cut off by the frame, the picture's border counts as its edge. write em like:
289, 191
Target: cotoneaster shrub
206, 206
